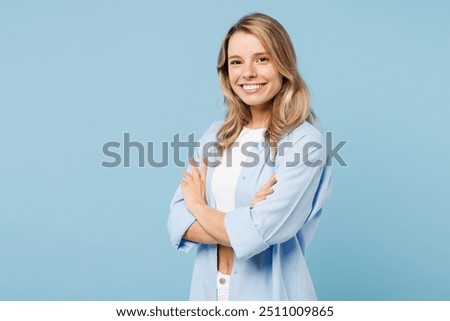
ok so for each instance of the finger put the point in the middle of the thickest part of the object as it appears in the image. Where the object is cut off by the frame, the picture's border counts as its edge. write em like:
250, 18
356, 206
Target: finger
258, 194
195, 172
262, 189
187, 176
193, 165
268, 185
204, 169
193, 162
257, 199
273, 179
194, 168
271, 182
264, 193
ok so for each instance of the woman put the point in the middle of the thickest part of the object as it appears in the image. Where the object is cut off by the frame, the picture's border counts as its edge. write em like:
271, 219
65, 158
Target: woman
252, 206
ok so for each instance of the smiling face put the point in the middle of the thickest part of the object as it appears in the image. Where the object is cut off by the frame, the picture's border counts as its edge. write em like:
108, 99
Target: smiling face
252, 73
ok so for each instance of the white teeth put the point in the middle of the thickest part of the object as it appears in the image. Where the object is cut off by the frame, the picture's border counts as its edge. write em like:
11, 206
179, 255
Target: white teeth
251, 87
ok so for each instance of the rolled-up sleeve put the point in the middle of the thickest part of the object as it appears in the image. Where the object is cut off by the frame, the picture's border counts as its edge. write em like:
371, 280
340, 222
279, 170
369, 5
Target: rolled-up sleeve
180, 219
279, 217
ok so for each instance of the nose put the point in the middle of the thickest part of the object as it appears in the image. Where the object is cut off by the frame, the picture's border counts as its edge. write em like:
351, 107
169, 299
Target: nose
249, 71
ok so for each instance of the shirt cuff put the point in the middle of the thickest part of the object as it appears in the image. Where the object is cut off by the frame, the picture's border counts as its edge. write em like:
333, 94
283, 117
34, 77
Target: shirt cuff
243, 234
178, 224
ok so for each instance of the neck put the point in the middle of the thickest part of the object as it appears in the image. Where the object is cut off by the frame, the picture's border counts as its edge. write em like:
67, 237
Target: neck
260, 117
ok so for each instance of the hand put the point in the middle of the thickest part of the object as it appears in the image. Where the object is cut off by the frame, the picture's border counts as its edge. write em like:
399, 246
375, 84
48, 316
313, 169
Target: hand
193, 186
265, 190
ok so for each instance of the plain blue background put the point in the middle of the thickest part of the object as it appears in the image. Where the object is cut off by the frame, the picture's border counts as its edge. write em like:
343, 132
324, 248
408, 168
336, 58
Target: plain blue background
77, 74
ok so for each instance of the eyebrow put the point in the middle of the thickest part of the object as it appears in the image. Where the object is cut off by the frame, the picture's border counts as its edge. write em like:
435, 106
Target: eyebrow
256, 54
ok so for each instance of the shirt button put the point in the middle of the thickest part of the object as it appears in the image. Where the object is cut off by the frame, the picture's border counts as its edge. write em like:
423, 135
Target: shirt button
244, 177
222, 281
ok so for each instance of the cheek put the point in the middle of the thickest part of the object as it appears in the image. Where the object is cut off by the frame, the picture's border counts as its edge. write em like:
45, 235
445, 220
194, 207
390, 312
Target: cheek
276, 79
233, 76
279, 83
233, 80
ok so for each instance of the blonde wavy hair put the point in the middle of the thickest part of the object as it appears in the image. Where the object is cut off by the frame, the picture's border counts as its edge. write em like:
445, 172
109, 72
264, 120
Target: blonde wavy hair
291, 106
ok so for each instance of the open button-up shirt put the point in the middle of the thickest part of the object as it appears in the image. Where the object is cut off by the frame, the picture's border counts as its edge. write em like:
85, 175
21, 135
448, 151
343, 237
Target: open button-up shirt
270, 238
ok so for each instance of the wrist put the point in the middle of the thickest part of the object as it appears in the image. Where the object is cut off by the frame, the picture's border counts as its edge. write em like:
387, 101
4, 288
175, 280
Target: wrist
198, 208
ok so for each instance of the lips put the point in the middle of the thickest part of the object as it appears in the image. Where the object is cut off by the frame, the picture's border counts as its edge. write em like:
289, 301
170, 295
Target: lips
251, 87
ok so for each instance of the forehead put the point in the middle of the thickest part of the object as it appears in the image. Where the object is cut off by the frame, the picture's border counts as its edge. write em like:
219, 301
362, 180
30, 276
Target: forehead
243, 43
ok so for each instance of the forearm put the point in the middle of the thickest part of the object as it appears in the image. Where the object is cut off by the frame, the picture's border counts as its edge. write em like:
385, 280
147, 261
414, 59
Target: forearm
212, 221
196, 233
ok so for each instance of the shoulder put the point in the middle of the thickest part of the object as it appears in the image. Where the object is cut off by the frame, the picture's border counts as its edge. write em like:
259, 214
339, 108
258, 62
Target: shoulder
305, 132
304, 143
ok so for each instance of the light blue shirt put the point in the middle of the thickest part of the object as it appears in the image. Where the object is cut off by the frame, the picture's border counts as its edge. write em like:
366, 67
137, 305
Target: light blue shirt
270, 238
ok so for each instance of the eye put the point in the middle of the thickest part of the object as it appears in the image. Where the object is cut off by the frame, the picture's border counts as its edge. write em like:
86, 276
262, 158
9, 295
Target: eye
262, 59
235, 62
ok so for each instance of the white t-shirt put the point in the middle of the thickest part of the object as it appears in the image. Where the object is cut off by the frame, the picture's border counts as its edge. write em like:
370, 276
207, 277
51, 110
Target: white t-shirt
225, 176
